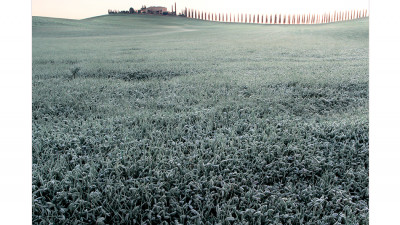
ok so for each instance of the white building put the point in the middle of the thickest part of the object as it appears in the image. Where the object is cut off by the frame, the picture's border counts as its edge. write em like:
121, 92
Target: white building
156, 10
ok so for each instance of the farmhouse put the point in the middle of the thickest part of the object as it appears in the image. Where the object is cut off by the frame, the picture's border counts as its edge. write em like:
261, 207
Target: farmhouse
156, 10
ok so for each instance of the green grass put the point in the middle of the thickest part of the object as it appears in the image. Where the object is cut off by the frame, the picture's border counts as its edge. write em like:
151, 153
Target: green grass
147, 119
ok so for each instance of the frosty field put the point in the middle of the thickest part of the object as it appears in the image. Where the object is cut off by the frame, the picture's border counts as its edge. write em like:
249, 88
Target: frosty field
168, 120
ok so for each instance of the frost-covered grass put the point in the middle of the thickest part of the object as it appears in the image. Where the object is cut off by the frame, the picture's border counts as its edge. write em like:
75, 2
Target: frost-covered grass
145, 119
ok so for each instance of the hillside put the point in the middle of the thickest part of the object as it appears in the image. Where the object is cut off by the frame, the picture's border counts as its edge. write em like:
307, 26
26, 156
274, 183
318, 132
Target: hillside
167, 119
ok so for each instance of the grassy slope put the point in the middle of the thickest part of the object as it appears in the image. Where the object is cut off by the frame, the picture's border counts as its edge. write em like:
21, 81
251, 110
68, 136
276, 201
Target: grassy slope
173, 119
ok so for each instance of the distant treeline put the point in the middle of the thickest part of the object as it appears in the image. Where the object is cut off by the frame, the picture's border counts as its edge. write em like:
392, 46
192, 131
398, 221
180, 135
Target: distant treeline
130, 11
145, 10
277, 18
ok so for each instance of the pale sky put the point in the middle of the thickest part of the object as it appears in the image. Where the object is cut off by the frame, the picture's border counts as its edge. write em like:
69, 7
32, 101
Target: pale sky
80, 9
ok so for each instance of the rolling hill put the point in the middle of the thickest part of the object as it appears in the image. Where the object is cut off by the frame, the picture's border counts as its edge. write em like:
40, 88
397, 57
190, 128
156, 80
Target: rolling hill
151, 119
